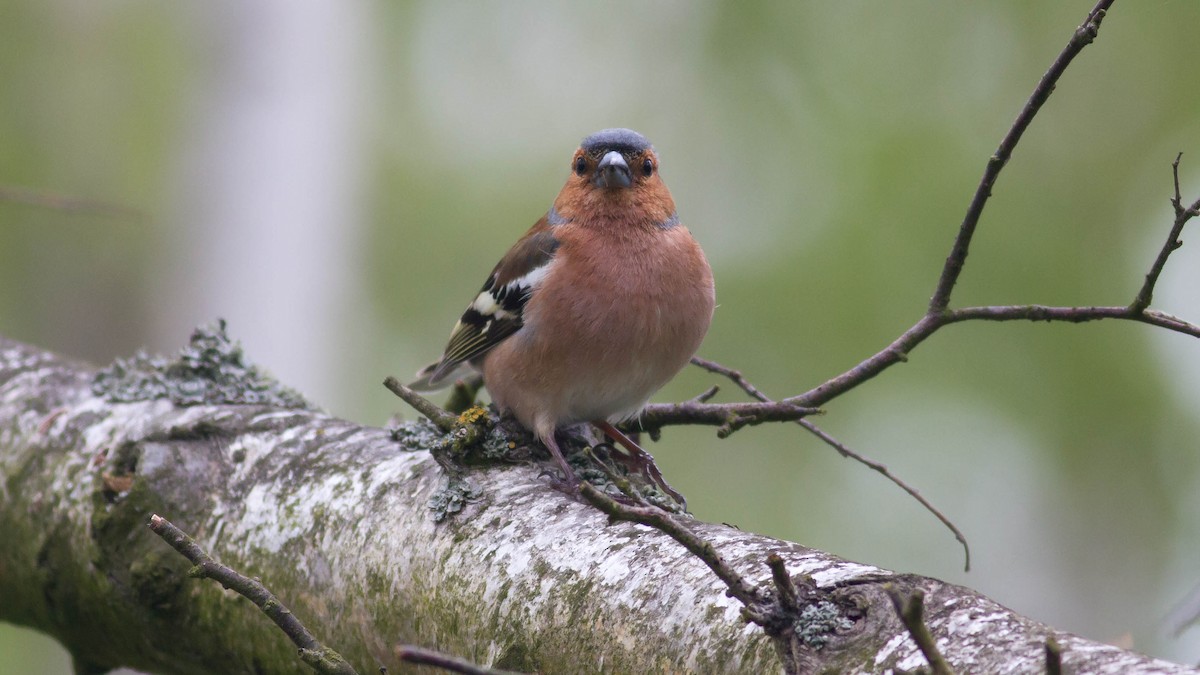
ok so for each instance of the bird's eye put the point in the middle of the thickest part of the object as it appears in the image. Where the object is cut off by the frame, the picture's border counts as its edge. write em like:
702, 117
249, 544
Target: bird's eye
580, 165
647, 167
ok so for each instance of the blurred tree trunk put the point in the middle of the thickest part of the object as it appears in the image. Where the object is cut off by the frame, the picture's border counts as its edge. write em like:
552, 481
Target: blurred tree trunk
270, 187
336, 519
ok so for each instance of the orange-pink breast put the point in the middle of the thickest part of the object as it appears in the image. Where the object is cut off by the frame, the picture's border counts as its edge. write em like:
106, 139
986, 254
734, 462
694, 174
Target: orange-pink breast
618, 314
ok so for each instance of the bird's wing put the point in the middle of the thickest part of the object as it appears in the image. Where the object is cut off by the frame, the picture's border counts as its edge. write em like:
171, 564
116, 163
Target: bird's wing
496, 312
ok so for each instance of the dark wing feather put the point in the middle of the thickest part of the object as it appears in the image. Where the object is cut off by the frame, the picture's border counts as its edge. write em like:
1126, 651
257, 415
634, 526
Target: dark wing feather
496, 313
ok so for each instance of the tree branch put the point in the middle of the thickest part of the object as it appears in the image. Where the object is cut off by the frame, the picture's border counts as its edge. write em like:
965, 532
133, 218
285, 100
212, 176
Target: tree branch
1182, 215
939, 314
1072, 315
666, 523
746, 386
338, 517
321, 658
911, 610
727, 417
1083, 36
428, 657
442, 419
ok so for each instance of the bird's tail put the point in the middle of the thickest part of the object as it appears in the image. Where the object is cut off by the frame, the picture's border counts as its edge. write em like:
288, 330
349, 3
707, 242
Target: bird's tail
429, 379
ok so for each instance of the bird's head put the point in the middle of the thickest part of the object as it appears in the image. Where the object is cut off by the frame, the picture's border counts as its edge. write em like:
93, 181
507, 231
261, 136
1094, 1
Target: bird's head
616, 167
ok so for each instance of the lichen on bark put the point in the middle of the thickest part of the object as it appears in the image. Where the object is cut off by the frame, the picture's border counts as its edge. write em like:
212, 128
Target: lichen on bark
210, 370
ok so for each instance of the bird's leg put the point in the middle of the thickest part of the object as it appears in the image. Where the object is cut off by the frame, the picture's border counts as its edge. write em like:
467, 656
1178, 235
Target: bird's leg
641, 458
552, 446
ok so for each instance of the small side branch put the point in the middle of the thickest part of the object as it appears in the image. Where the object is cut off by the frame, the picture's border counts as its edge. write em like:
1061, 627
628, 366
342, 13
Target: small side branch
883, 470
322, 659
911, 611
789, 599
1083, 36
428, 657
1071, 315
745, 385
442, 419
727, 417
1182, 216
655, 517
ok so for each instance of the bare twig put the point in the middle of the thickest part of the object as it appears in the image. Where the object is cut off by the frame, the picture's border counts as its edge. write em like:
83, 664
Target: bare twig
936, 315
748, 387
939, 314
652, 516
1072, 315
911, 611
1182, 215
321, 658
442, 419
898, 350
727, 417
734, 376
427, 657
882, 469
1082, 37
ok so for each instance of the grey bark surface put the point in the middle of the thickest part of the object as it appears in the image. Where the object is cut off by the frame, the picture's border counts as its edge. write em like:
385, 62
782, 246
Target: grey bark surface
335, 519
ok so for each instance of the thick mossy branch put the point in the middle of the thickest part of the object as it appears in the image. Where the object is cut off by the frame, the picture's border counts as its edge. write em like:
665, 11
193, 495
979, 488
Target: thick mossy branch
335, 515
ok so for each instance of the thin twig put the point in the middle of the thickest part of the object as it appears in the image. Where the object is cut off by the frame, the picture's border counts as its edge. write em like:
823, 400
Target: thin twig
899, 349
312, 652
882, 469
727, 417
911, 611
737, 378
1182, 215
322, 659
1072, 315
652, 516
894, 353
734, 376
1083, 36
934, 318
707, 395
427, 657
442, 419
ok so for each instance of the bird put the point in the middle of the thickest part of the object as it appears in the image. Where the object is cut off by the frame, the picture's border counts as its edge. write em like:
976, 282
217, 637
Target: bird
604, 300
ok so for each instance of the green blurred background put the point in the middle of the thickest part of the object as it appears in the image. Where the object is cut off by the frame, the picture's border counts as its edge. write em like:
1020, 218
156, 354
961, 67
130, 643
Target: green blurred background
337, 178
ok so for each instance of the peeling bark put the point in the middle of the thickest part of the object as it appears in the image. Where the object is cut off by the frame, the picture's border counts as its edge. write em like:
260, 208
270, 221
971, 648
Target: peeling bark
335, 519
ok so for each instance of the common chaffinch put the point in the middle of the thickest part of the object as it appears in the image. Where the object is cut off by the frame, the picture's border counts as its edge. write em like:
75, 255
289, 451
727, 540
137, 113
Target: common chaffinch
597, 307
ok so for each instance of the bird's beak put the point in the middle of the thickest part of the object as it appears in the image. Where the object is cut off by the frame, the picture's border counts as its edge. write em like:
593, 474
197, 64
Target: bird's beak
613, 172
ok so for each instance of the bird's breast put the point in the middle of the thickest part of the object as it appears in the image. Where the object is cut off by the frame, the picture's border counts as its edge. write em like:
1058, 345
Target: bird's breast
613, 321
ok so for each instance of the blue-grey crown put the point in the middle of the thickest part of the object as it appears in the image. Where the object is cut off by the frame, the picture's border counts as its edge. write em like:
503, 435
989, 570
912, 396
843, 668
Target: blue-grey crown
621, 140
